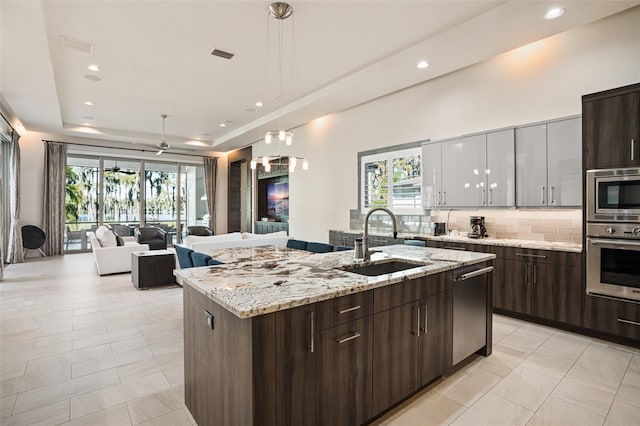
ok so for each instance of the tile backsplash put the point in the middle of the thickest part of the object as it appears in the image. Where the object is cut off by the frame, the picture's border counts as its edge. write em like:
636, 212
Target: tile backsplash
538, 225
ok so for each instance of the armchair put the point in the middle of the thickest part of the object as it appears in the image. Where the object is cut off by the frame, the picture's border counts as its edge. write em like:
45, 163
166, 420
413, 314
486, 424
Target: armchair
201, 231
156, 238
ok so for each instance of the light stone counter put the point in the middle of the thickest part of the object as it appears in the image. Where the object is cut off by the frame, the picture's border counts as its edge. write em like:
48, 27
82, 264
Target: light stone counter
248, 289
500, 242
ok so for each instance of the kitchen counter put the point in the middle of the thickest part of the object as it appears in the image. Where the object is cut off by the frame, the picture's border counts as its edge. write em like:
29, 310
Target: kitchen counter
501, 242
252, 288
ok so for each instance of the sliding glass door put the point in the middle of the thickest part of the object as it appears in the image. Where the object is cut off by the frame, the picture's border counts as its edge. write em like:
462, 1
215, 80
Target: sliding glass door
121, 201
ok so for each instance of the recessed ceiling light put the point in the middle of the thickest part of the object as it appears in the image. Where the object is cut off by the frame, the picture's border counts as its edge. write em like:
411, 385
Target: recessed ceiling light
258, 104
422, 65
222, 125
554, 12
92, 77
93, 67
88, 103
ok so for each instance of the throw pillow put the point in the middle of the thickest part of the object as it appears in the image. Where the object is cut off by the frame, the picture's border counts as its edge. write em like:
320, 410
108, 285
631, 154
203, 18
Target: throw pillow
106, 237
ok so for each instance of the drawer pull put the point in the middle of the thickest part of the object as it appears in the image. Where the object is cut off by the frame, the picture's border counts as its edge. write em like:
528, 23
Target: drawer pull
312, 331
346, 339
351, 309
531, 255
455, 248
629, 322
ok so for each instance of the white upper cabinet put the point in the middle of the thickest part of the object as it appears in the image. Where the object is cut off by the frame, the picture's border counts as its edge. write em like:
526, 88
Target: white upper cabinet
432, 175
531, 166
500, 171
463, 172
564, 160
549, 164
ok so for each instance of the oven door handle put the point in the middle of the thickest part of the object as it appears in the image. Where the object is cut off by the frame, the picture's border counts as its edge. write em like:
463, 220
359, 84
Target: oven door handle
614, 243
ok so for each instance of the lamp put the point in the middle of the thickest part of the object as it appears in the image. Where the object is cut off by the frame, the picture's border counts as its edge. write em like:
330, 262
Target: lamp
280, 11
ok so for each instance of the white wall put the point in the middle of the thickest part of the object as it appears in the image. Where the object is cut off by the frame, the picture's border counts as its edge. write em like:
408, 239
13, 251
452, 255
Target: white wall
541, 81
32, 172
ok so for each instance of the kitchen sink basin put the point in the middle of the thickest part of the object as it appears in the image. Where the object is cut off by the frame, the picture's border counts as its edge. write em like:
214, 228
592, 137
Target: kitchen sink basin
384, 267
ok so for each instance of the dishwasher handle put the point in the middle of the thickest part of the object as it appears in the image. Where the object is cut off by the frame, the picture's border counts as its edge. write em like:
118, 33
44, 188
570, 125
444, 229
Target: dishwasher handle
472, 274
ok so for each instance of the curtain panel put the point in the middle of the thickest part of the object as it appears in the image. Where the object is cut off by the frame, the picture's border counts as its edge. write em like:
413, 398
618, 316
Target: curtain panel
53, 213
1, 228
14, 251
210, 183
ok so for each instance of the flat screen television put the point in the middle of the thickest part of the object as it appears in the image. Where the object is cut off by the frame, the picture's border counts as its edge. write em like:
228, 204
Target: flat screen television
278, 200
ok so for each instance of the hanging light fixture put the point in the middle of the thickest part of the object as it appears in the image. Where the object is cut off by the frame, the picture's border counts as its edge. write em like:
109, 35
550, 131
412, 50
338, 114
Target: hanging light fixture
280, 11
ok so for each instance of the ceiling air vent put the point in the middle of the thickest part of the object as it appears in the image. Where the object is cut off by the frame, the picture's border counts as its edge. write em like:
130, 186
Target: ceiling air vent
76, 45
222, 54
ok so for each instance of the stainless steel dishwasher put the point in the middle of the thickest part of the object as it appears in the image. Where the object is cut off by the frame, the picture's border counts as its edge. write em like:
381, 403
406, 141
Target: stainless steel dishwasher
470, 310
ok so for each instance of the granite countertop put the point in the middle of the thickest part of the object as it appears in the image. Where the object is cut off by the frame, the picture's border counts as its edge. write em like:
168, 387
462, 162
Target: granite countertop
248, 289
502, 242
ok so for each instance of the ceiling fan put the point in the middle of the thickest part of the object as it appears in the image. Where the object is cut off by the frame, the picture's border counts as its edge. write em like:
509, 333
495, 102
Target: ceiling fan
163, 145
116, 169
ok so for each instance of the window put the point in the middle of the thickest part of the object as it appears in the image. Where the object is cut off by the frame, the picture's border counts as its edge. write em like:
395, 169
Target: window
164, 195
392, 179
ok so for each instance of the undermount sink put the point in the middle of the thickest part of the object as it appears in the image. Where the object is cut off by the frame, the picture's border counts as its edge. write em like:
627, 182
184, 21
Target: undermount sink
384, 267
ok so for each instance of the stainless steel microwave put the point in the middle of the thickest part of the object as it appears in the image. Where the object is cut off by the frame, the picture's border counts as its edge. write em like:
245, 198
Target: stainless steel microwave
613, 195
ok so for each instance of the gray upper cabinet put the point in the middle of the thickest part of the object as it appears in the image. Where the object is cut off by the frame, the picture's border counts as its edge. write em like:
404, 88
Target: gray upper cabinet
463, 172
531, 166
500, 171
432, 175
549, 164
564, 160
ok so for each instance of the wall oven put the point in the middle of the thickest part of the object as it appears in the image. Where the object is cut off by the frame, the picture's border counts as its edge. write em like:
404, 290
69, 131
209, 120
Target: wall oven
613, 260
613, 195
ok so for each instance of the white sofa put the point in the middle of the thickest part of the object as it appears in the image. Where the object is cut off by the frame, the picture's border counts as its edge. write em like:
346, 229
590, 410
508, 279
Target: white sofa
112, 260
235, 239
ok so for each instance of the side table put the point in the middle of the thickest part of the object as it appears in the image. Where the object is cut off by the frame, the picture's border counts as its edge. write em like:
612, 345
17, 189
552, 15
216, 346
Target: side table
152, 268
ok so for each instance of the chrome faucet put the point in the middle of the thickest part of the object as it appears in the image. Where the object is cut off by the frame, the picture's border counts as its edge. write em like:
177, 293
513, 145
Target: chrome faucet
367, 252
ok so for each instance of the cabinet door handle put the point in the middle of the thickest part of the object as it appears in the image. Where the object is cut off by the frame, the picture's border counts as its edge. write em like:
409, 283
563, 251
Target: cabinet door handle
312, 331
483, 194
633, 149
454, 248
490, 200
351, 309
348, 338
418, 322
437, 198
542, 195
629, 322
551, 200
525, 272
531, 255
444, 198
535, 273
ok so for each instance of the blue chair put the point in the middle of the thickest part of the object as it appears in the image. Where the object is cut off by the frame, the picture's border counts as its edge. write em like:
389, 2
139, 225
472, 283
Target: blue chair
343, 248
297, 244
200, 259
419, 243
184, 256
319, 247
213, 262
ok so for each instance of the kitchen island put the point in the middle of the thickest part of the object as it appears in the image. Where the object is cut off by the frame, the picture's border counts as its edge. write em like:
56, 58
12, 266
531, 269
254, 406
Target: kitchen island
310, 340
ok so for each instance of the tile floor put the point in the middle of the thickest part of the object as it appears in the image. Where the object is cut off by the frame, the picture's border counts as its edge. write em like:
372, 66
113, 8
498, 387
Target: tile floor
80, 349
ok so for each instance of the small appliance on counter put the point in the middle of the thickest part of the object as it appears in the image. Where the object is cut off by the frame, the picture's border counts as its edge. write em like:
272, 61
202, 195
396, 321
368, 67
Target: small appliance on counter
477, 227
439, 228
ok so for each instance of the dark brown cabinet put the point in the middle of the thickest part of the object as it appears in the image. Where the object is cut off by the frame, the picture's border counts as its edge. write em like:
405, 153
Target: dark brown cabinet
611, 128
612, 316
412, 341
296, 370
344, 379
539, 283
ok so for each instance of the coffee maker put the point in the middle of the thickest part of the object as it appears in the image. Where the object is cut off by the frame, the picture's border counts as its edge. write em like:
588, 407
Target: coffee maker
477, 227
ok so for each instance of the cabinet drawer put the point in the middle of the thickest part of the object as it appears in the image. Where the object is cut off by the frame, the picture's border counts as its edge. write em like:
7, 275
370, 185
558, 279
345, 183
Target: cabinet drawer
570, 259
613, 317
344, 309
405, 292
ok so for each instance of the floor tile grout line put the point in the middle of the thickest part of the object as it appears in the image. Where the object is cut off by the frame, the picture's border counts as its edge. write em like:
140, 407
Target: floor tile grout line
619, 385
